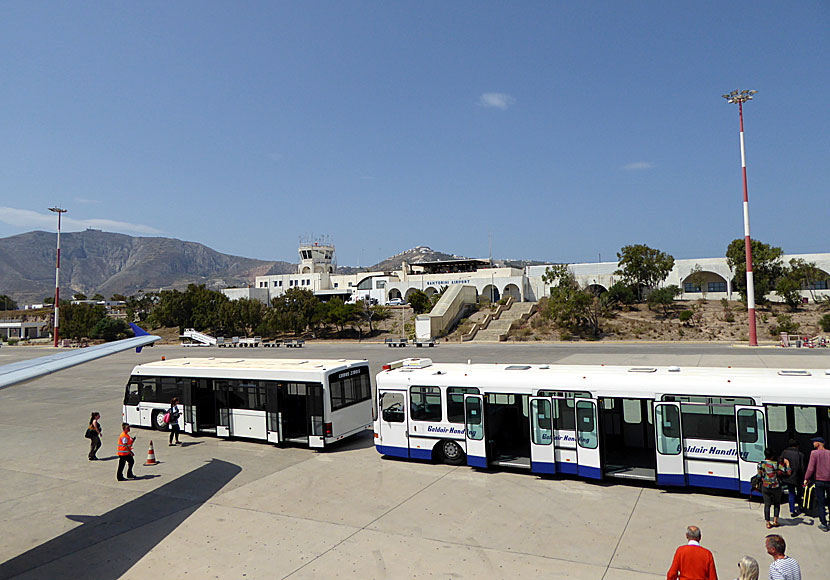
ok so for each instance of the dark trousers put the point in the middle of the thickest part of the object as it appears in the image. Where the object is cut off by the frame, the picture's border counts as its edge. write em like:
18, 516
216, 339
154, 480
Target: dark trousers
94, 446
772, 495
174, 430
793, 497
822, 487
128, 460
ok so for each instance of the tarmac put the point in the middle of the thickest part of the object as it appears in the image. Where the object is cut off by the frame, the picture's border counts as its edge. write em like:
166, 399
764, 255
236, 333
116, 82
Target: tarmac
237, 509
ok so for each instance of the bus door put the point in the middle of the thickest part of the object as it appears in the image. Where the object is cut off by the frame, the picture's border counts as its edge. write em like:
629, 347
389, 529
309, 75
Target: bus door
393, 438
474, 431
671, 465
188, 386
223, 410
587, 439
752, 439
204, 401
314, 408
542, 447
272, 412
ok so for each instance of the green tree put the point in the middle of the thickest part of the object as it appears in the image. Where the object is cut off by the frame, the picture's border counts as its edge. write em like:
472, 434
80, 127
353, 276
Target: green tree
620, 294
766, 267
664, 298
296, 310
118, 298
419, 302
788, 288
824, 323
340, 314
807, 274
79, 296
6, 303
98, 296
571, 307
643, 267
78, 320
110, 329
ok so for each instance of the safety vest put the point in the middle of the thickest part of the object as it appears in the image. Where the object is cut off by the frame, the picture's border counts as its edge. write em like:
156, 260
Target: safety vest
125, 443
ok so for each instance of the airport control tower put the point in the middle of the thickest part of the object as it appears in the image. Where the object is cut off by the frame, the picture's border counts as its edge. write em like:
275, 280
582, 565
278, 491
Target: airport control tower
316, 256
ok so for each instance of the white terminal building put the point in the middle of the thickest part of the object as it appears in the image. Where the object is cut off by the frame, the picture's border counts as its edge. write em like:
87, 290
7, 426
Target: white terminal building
317, 272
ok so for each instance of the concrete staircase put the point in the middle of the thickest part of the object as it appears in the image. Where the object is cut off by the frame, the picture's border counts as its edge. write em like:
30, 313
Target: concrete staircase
497, 330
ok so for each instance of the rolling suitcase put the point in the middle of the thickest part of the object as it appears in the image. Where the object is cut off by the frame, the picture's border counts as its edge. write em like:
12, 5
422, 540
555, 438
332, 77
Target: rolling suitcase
810, 503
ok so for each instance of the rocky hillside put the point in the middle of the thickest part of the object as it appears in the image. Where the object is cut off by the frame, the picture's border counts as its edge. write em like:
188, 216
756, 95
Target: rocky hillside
101, 262
416, 255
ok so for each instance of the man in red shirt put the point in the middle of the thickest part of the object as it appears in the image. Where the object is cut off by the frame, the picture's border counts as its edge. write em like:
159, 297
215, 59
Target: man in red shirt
692, 561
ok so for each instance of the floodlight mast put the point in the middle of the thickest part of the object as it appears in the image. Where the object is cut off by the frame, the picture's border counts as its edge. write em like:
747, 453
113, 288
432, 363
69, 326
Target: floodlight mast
740, 97
58, 211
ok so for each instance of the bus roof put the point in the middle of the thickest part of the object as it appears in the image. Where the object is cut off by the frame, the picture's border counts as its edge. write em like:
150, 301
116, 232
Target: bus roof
220, 365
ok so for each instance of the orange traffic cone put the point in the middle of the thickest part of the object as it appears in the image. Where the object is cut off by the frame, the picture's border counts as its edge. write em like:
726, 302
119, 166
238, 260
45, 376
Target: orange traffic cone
151, 456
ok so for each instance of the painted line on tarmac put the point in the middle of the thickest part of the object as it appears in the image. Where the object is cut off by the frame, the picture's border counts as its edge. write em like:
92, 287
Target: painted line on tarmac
617, 547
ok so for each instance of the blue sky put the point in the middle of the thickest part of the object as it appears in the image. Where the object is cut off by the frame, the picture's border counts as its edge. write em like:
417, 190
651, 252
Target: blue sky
565, 129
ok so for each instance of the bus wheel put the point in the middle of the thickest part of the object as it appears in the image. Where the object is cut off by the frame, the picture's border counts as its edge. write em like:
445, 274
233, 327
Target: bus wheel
158, 421
452, 453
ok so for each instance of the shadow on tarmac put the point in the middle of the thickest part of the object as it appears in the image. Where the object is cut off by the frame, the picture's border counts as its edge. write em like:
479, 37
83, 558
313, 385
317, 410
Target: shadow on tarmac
95, 540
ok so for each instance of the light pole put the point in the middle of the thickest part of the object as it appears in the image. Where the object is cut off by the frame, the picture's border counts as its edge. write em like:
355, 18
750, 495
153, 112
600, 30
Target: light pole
740, 97
58, 211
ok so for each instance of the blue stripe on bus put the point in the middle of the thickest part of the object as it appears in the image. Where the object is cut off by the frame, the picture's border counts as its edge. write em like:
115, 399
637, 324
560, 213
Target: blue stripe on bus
542, 467
474, 461
590, 472
668, 479
713, 481
566, 467
393, 451
421, 454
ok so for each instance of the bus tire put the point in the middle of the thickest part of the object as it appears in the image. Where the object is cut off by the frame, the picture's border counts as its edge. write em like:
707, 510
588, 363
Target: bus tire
451, 452
158, 421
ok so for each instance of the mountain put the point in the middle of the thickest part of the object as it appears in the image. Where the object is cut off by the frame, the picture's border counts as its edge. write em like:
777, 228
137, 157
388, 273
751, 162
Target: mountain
93, 262
416, 255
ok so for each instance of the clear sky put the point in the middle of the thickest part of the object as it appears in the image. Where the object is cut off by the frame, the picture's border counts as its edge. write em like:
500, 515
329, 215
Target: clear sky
564, 129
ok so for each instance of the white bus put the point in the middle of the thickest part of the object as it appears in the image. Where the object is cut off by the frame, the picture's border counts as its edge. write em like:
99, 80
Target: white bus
703, 427
311, 402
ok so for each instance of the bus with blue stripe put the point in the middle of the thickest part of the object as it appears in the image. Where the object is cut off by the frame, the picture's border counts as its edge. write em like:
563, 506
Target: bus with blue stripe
689, 426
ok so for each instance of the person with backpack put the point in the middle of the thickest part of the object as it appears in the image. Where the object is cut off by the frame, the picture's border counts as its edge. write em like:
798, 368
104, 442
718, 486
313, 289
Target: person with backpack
173, 415
792, 482
93, 433
771, 473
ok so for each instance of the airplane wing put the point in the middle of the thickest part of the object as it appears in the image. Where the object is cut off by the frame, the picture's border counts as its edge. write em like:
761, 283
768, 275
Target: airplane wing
26, 370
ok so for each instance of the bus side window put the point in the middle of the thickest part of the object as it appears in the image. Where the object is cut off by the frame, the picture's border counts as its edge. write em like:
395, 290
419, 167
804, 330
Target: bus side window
564, 414
426, 403
806, 420
455, 402
132, 397
391, 407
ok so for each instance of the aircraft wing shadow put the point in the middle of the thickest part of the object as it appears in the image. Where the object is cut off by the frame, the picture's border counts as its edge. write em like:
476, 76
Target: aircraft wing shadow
94, 541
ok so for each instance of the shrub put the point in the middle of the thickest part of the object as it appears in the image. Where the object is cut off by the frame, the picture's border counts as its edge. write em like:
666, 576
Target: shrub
824, 322
12, 341
620, 293
686, 316
784, 324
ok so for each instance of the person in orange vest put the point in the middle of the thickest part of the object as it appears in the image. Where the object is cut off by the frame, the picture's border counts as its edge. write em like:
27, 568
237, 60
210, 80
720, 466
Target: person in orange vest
125, 453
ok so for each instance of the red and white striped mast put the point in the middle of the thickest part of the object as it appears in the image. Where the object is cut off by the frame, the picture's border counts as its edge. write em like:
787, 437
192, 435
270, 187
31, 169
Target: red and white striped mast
58, 211
741, 97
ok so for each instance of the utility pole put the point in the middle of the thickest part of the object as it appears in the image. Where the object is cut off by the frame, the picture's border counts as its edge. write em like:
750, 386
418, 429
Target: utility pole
58, 211
740, 97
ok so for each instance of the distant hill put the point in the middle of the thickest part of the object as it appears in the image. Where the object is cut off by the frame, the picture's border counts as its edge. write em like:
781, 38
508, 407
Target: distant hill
416, 255
93, 262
